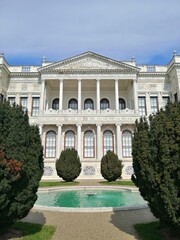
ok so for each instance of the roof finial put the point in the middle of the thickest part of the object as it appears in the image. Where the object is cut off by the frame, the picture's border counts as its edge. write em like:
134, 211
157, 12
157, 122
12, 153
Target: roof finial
2, 55
133, 59
174, 53
44, 59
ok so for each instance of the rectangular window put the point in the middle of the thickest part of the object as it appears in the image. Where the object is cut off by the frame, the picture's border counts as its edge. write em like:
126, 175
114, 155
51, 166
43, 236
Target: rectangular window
165, 102
25, 68
88, 144
24, 103
35, 106
154, 104
151, 69
11, 100
142, 105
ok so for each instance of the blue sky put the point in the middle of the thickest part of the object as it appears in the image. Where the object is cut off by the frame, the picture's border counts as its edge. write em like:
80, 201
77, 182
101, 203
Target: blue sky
118, 29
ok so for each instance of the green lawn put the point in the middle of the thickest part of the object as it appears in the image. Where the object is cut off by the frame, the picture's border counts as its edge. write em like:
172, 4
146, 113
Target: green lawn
123, 183
56, 184
155, 231
32, 231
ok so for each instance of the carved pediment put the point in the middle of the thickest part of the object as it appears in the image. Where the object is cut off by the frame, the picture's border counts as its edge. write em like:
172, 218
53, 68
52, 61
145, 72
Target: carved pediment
88, 62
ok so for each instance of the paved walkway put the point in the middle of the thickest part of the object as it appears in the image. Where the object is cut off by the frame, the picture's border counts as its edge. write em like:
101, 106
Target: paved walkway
92, 226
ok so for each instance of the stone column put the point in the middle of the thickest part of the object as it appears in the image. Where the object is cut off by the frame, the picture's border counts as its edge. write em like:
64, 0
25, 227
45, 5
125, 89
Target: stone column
148, 104
79, 143
29, 104
17, 99
79, 94
116, 95
58, 145
135, 95
118, 141
160, 100
99, 142
40, 130
42, 97
61, 94
98, 94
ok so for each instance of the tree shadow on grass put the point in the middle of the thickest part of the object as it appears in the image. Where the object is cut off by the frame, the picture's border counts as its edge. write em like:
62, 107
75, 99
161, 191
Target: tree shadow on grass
125, 220
29, 225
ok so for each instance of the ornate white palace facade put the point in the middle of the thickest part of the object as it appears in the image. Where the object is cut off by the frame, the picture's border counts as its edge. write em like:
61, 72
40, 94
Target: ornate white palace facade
89, 102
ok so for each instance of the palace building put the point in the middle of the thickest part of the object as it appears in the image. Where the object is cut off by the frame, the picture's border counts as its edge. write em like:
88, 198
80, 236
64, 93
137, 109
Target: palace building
89, 102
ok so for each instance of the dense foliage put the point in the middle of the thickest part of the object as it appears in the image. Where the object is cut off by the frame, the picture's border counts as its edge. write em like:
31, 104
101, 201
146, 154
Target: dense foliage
21, 163
68, 166
156, 162
111, 166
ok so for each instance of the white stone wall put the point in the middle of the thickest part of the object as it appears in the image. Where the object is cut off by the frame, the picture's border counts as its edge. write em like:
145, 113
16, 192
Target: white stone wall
151, 81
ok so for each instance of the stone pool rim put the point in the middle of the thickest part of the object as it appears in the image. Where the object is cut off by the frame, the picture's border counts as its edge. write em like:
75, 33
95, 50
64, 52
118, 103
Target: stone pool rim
89, 209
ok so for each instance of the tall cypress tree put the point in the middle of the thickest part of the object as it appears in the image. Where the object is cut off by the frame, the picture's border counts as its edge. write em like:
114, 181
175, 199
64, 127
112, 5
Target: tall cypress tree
156, 162
21, 163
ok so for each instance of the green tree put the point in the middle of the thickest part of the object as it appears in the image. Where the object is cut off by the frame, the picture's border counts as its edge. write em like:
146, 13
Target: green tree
21, 163
68, 166
156, 162
111, 166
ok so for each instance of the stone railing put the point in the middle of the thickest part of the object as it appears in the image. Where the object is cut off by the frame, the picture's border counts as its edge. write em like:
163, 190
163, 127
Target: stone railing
88, 112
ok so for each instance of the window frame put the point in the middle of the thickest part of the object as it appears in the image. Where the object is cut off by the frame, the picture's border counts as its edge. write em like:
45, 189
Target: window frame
35, 109
120, 103
65, 138
107, 146
53, 146
127, 144
24, 107
154, 107
87, 147
142, 108
103, 104
92, 103
55, 104
73, 104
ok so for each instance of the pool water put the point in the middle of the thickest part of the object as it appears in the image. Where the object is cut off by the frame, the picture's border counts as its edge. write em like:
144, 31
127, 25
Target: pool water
87, 199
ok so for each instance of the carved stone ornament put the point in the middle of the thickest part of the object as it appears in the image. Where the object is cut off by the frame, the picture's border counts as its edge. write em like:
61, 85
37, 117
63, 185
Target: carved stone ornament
127, 111
52, 111
70, 111
89, 170
129, 170
48, 171
107, 111
89, 63
89, 111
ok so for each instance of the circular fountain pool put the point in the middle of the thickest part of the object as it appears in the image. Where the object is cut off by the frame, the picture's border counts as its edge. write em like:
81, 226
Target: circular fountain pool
90, 198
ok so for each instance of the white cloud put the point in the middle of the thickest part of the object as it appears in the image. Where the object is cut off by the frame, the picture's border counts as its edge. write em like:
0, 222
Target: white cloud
115, 28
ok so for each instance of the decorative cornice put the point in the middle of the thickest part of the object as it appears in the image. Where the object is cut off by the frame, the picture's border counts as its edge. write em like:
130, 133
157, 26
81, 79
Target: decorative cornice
24, 74
152, 74
2, 66
173, 65
88, 71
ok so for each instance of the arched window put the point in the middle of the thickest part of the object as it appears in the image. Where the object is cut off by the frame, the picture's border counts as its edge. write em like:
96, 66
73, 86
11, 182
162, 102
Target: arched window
50, 146
88, 144
55, 104
122, 104
69, 140
73, 104
104, 104
127, 143
88, 104
107, 141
